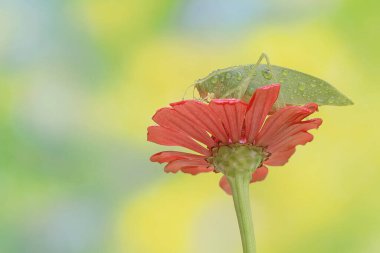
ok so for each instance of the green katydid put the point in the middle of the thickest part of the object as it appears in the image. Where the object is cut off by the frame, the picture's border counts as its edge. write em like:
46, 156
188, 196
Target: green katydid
296, 88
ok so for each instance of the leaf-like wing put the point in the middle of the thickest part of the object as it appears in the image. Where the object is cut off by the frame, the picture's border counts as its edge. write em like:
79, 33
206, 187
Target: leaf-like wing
297, 88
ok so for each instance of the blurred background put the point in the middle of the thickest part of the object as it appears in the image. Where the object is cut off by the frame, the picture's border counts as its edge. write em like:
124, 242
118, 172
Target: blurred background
80, 80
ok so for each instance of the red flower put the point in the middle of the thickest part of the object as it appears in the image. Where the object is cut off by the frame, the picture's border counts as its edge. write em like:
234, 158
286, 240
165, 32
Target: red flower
203, 127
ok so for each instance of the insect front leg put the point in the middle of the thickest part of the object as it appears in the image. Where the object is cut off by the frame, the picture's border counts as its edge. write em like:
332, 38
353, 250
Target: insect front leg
243, 86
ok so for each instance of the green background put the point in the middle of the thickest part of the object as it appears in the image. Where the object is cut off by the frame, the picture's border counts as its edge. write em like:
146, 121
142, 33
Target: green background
80, 80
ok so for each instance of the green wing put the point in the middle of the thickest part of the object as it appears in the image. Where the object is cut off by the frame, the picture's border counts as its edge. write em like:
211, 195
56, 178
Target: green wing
297, 88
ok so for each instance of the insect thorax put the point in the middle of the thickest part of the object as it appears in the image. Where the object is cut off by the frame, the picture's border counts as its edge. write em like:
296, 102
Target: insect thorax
225, 83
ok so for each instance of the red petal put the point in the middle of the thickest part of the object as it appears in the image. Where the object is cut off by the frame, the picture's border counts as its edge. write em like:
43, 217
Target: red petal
278, 123
187, 163
284, 130
165, 136
290, 142
202, 115
223, 183
168, 156
197, 170
259, 106
260, 174
231, 112
294, 130
169, 118
282, 144
280, 158
177, 165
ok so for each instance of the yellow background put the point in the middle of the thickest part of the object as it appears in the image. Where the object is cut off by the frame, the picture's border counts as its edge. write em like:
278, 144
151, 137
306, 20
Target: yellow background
80, 80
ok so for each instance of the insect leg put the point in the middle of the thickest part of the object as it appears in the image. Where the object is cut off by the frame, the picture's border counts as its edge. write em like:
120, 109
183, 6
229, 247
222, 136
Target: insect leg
239, 90
242, 88
262, 56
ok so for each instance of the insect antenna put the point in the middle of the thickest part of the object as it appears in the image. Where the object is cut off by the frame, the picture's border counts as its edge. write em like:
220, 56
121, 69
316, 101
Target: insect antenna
187, 89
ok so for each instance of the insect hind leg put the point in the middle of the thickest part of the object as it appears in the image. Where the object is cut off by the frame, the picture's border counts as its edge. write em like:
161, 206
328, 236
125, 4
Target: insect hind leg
263, 56
244, 86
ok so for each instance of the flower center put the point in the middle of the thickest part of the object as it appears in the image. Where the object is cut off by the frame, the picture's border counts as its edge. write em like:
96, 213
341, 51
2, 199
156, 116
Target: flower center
237, 159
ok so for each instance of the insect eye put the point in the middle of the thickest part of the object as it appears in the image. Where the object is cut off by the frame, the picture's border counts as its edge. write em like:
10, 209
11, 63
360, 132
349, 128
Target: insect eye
214, 79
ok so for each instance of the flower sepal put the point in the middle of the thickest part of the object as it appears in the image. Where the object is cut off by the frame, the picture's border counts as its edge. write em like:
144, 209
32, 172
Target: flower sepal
235, 159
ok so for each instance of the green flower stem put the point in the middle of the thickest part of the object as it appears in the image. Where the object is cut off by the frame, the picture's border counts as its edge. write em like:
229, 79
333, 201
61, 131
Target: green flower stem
240, 191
